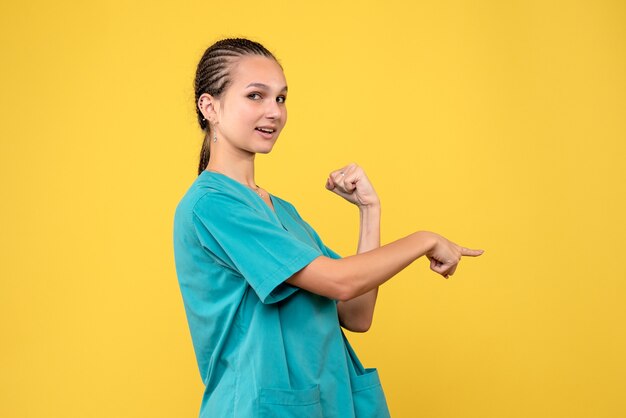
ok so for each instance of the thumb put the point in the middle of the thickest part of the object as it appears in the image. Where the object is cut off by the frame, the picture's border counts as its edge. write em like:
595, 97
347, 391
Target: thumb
329, 184
471, 253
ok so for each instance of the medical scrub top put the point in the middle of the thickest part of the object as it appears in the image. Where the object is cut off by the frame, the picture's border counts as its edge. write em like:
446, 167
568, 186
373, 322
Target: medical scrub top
264, 348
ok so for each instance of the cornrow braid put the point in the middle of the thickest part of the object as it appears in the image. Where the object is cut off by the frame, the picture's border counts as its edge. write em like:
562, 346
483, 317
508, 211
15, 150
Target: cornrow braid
213, 77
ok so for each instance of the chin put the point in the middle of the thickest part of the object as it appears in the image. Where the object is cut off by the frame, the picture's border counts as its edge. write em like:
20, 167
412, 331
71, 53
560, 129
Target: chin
265, 149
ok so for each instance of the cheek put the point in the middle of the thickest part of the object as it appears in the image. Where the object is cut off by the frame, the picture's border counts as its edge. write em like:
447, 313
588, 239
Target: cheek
249, 112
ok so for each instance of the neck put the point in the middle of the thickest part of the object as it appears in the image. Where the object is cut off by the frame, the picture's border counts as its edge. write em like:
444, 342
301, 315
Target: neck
237, 167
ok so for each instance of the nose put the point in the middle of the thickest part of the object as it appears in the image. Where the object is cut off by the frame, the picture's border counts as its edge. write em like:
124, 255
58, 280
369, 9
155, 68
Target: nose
273, 110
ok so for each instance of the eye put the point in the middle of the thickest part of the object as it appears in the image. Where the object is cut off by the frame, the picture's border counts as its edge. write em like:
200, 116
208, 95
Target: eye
254, 96
281, 99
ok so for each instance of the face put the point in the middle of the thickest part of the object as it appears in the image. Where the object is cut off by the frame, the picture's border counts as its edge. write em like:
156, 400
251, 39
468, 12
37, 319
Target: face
251, 112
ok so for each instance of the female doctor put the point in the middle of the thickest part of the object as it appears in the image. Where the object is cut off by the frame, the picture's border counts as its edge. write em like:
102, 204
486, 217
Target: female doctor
265, 298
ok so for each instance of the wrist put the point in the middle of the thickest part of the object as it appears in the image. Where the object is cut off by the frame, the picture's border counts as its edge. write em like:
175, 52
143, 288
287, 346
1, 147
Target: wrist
428, 241
370, 213
370, 207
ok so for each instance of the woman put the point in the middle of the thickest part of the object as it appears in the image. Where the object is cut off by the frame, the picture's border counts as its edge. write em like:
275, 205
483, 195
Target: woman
264, 296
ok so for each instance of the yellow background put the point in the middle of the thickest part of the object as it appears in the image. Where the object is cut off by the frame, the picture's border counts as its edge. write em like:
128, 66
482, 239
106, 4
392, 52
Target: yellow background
500, 125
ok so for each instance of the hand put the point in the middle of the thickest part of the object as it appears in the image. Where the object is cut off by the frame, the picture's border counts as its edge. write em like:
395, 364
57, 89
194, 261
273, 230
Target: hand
351, 183
445, 255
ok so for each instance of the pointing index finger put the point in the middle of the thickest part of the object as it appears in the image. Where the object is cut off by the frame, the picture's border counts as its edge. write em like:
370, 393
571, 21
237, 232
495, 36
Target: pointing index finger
471, 253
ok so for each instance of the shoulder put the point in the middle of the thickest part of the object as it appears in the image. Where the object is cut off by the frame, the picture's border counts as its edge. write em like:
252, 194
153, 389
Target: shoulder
210, 194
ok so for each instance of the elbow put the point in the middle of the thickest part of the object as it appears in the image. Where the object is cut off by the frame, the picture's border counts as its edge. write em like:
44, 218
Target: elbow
361, 327
355, 321
343, 294
346, 286
345, 291
328, 277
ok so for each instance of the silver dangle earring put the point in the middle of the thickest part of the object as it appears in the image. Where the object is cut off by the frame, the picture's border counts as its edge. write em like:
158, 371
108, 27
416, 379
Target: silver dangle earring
214, 137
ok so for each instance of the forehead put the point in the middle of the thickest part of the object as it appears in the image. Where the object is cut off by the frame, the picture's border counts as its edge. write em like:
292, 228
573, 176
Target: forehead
258, 69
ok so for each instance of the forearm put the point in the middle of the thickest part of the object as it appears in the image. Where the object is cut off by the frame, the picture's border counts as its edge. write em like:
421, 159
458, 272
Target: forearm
369, 228
357, 313
364, 272
352, 276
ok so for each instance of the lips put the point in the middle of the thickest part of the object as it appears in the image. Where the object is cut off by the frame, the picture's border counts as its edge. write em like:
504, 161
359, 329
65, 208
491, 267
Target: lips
266, 130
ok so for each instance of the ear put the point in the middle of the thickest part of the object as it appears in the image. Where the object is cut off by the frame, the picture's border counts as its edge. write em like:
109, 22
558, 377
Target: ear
208, 106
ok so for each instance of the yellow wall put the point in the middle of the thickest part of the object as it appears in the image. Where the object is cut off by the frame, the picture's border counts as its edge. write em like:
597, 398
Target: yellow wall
498, 124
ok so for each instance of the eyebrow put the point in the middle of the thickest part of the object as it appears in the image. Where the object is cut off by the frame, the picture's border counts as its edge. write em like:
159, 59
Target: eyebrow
263, 86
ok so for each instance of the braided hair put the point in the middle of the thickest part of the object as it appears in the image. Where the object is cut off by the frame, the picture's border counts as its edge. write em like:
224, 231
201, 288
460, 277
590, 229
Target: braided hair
213, 77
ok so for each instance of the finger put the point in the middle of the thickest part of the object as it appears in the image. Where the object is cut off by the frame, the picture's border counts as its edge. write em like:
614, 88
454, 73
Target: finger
344, 181
330, 184
347, 171
433, 264
349, 183
352, 177
335, 173
439, 268
351, 168
338, 176
471, 253
452, 270
446, 268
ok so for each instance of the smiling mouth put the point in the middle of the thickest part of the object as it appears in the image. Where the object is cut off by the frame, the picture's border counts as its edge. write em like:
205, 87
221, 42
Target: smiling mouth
266, 130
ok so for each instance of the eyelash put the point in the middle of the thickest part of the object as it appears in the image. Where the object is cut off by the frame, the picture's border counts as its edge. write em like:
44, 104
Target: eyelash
256, 96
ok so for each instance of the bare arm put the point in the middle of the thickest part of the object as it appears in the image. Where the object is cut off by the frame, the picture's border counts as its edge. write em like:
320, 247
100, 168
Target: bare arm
357, 314
354, 280
352, 276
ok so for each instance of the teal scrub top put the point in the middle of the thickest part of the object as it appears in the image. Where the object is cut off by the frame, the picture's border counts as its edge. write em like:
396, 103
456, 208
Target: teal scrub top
264, 348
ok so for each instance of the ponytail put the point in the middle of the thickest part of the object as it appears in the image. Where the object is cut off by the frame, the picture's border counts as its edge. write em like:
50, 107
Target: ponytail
204, 153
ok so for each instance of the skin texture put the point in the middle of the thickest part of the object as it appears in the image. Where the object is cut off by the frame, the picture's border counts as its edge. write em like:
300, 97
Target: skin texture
256, 98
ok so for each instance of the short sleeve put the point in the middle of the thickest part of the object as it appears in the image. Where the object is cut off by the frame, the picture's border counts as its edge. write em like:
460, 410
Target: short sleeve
252, 243
329, 252
325, 249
